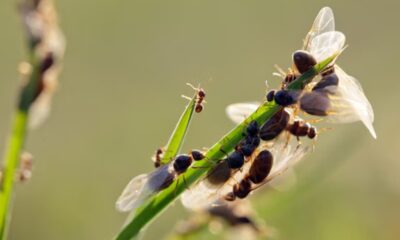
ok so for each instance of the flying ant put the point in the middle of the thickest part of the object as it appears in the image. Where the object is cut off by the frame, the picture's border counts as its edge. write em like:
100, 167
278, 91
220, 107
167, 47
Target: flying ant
281, 121
144, 186
259, 170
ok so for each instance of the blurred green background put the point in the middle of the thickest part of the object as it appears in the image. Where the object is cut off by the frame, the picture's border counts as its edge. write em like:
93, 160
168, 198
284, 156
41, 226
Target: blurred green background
125, 68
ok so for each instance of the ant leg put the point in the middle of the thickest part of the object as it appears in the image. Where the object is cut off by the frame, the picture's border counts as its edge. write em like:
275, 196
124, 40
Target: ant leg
209, 166
185, 183
287, 140
223, 151
325, 129
315, 120
280, 72
176, 186
298, 142
314, 142
186, 97
296, 111
194, 88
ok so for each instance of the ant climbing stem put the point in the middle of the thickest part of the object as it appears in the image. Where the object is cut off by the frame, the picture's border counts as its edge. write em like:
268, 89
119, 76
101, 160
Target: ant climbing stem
184, 182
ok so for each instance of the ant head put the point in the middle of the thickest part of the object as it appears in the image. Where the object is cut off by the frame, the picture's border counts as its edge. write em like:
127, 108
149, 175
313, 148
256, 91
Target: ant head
197, 155
201, 93
285, 97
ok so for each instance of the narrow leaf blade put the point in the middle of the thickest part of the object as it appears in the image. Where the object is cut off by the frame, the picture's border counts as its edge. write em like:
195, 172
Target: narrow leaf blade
178, 135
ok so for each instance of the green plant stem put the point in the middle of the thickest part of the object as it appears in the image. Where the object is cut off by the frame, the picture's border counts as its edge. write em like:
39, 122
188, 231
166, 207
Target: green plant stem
16, 142
155, 205
11, 163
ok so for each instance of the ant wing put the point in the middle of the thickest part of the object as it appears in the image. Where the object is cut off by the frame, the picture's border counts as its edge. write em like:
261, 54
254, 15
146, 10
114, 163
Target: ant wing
141, 187
238, 112
349, 103
326, 45
210, 191
285, 181
200, 196
285, 157
324, 22
129, 197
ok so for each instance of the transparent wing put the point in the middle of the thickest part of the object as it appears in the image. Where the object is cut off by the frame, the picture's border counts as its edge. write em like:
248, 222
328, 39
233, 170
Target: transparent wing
212, 190
208, 191
238, 112
133, 194
326, 44
200, 196
349, 103
284, 182
203, 194
285, 157
141, 187
324, 22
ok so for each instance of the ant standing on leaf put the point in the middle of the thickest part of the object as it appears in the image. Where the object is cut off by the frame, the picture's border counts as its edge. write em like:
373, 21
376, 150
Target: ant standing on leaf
201, 94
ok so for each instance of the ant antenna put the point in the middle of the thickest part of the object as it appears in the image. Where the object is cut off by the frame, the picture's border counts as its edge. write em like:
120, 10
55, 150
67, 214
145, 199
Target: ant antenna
280, 72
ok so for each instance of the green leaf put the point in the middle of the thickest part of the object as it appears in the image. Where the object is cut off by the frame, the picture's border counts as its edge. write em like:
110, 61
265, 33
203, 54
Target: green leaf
156, 204
178, 135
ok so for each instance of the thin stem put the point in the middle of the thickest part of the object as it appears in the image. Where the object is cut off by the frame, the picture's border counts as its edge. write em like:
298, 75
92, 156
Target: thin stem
11, 163
16, 143
46, 46
15, 147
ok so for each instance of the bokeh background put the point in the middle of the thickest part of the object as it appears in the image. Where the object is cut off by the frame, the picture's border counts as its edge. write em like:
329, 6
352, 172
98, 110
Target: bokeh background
125, 68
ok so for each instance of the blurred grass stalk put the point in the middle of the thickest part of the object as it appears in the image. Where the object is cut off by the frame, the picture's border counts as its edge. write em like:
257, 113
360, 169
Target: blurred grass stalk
39, 78
155, 205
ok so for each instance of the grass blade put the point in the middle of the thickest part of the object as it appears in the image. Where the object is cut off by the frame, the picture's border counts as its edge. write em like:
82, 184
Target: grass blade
178, 135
